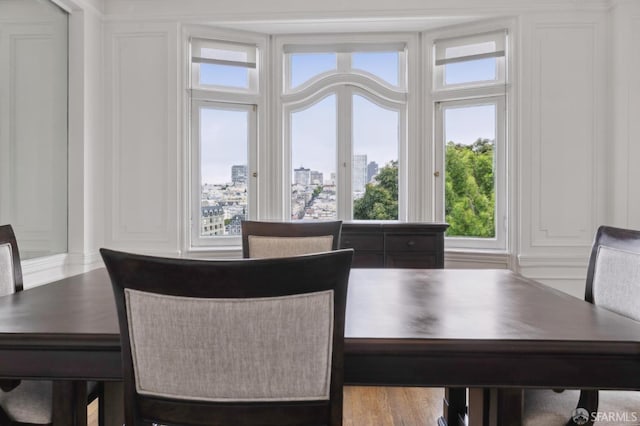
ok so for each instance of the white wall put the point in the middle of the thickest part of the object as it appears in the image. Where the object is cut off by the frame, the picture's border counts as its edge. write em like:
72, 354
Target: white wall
623, 142
573, 157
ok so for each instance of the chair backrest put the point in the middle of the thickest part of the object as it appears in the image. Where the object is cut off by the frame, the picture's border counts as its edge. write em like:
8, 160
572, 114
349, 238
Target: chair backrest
613, 276
284, 239
247, 341
10, 269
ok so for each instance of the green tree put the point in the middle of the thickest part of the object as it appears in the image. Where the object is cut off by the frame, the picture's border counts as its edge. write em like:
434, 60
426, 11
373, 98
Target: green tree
380, 199
469, 189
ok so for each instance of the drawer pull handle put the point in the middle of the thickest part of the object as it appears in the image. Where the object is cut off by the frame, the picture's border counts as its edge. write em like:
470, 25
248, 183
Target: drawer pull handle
411, 243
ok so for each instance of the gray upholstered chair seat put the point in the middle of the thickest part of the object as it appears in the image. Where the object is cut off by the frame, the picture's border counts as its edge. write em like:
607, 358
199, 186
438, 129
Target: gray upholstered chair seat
29, 403
544, 407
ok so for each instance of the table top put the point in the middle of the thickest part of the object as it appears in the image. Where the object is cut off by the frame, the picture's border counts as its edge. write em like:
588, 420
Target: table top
439, 315
383, 304
479, 307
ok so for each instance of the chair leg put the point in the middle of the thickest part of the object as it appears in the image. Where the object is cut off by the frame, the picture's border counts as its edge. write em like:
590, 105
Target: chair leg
4, 418
587, 404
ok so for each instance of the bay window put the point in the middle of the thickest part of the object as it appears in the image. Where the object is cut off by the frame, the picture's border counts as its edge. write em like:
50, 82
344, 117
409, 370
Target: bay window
390, 126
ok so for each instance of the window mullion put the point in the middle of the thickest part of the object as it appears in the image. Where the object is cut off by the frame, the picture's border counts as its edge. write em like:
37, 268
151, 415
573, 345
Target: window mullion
344, 151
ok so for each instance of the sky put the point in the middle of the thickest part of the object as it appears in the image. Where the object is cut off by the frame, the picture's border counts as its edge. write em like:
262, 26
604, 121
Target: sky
374, 129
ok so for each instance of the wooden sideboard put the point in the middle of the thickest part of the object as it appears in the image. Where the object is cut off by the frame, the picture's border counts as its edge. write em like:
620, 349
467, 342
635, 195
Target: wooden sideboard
392, 244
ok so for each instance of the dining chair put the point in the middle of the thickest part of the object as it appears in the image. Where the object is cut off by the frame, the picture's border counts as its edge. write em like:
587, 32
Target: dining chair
24, 402
613, 283
243, 342
283, 239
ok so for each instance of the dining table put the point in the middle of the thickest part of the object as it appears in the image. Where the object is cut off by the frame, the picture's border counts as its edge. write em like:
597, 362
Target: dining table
484, 335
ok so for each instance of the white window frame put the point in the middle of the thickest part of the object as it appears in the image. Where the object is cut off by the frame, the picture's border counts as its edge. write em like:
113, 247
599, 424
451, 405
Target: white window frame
498, 37
197, 239
500, 160
251, 100
496, 92
344, 82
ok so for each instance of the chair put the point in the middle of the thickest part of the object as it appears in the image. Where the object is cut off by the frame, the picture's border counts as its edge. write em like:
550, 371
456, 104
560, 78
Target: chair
613, 283
243, 342
23, 402
283, 239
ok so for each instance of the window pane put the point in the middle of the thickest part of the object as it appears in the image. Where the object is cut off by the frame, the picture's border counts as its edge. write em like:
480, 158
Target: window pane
224, 75
381, 64
305, 66
223, 64
470, 201
470, 49
375, 161
470, 71
224, 141
313, 156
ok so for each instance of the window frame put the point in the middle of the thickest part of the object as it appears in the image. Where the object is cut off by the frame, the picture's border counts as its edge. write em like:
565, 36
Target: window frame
500, 160
198, 240
349, 81
252, 100
474, 93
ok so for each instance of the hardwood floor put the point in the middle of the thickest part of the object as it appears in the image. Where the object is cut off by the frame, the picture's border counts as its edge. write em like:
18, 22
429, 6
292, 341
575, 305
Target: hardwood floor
92, 413
391, 406
373, 406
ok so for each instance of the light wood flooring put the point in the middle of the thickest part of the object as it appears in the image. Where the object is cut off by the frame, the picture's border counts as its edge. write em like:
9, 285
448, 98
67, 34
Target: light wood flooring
373, 406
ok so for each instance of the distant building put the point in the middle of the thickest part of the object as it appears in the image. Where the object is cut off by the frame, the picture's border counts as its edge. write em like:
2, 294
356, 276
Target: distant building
302, 176
235, 225
239, 174
372, 170
359, 172
211, 220
316, 177
332, 178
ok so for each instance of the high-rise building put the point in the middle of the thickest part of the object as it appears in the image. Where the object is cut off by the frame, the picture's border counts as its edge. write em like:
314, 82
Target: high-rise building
316, 177
359, 172
302, 176
239, 174
372, 170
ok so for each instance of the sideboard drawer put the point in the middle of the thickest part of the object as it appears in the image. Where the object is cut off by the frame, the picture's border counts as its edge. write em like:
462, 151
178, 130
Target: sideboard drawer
362, 242
410, 242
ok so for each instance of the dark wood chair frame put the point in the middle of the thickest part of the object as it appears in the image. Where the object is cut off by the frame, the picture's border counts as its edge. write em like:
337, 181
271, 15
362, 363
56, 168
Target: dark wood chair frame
8, 236
617, 238
290, 229
240, 278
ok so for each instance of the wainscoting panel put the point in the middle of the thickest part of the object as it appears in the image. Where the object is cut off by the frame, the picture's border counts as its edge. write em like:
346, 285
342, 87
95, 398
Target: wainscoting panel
563, 128
142, 137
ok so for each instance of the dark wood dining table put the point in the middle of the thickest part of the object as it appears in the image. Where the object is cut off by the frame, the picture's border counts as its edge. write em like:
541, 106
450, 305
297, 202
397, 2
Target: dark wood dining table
476, 329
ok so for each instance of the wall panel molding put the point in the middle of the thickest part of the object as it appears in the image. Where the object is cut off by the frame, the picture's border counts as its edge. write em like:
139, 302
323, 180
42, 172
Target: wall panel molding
564, 125
142, 142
